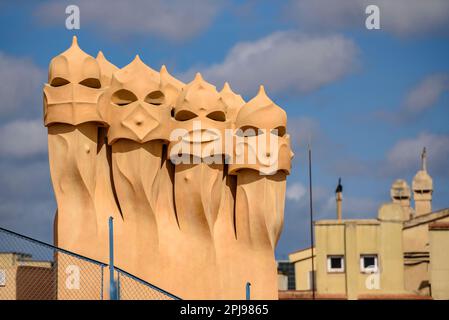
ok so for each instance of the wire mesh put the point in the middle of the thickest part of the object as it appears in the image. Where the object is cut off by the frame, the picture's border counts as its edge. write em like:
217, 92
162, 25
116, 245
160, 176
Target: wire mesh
133, 288
34, 270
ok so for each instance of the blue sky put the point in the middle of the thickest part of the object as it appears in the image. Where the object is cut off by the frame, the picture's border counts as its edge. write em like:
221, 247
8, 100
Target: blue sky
368, 100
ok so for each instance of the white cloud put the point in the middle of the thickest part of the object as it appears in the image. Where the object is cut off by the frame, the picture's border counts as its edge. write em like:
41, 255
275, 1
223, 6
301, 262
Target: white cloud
295, 192
23, 138
425, 94
400, 17
174, 20
27, 202
21, 81
283, 61
420, 98
405, 156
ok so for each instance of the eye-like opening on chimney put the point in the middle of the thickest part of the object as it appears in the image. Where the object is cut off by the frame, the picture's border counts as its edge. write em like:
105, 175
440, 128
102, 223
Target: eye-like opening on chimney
155, 98
91, 83
401, 198
59, 82
123, 97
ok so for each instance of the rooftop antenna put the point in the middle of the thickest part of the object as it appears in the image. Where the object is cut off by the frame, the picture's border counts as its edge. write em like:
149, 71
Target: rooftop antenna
424, 159
311, 218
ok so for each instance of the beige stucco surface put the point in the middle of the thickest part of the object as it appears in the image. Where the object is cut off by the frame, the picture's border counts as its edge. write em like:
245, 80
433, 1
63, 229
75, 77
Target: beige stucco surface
439, 265
198, 230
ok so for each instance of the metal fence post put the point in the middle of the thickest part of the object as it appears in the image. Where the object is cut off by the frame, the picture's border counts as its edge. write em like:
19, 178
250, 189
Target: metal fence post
248, 291
112, 285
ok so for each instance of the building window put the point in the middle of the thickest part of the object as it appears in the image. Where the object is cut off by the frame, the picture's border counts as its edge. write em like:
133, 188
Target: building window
369, 263
335, 264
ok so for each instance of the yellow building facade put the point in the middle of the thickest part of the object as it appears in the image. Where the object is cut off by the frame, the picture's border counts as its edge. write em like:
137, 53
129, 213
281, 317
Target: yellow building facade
439, 260
304, 276
402, 254
356, 257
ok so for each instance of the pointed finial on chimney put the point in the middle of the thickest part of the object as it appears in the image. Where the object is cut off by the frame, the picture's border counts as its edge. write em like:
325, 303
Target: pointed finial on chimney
424, 159
198, 77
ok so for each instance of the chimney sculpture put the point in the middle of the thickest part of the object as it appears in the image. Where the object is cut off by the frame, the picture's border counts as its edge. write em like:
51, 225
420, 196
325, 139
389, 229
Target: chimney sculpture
72, 118
194, 178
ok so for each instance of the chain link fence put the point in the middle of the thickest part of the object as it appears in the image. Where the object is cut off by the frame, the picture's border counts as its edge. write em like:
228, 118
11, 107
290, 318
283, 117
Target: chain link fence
133, 288
34, 270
